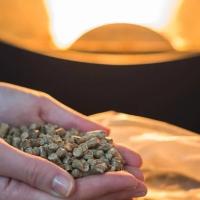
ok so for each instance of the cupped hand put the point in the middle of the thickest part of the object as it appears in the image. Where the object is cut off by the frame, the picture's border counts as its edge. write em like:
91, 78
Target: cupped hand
121, 185
19, 105
27, 177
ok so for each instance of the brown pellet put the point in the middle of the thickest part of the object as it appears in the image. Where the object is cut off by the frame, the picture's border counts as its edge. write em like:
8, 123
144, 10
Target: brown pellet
80, 154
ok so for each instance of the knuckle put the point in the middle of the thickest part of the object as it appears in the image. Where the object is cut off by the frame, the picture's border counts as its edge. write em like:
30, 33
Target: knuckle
8, 188
4, 184
32, 172
12, 189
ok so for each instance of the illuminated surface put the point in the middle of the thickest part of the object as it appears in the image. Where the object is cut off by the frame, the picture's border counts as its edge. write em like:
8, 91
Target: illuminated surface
71, 19
58, 29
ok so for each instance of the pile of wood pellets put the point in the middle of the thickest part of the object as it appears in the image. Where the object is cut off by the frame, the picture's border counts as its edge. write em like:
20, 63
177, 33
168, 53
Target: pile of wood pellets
79, 153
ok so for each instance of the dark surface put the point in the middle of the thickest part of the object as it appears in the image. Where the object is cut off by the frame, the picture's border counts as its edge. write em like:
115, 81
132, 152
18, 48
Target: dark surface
168, 91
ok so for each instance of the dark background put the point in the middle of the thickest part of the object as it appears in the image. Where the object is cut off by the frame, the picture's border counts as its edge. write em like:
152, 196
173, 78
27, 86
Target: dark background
166, 91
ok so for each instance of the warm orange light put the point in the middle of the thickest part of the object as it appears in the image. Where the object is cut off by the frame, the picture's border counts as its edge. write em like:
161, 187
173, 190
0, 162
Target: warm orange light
68, 20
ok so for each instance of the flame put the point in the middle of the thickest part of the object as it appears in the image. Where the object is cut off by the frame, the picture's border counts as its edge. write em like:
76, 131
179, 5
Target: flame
68, 20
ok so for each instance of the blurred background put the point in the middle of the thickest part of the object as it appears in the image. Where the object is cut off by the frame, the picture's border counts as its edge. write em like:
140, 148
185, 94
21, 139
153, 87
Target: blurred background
138, 57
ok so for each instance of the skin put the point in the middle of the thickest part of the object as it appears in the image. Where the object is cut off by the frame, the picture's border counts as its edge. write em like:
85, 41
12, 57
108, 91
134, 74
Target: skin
27, 177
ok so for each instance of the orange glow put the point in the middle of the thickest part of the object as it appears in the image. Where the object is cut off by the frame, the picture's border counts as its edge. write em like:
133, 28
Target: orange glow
68, 20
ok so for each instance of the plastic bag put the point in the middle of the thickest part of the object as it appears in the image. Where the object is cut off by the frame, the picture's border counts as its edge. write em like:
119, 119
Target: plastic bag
171, 155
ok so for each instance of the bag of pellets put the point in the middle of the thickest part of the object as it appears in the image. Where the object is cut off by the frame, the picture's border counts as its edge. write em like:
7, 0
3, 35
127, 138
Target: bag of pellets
171, 155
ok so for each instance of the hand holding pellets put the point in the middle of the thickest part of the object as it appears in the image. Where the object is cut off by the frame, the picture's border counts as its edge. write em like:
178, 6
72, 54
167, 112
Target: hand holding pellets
79, 153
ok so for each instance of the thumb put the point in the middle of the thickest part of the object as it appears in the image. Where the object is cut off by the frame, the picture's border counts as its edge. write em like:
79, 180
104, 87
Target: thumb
34, 171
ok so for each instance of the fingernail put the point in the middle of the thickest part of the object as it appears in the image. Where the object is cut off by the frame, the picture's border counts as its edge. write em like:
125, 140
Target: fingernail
62, 186
141, 190
140, 193
138, 173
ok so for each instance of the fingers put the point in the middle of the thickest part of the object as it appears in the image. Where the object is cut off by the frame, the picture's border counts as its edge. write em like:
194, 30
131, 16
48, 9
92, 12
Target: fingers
34, 171
123, 195
132, 161
55, 112
15, 190
126, 194
97, 186
131, 158
135, 171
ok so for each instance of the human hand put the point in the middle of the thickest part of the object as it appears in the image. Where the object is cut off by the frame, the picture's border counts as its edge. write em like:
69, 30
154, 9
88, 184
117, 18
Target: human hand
121, 185
24, 176
19, 105
28, 177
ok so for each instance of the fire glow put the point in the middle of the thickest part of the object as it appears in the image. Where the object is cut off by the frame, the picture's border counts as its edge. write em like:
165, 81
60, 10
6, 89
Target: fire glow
68, 20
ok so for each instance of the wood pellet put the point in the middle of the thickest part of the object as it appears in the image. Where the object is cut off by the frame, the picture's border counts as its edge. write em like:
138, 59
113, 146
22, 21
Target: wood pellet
79, 153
